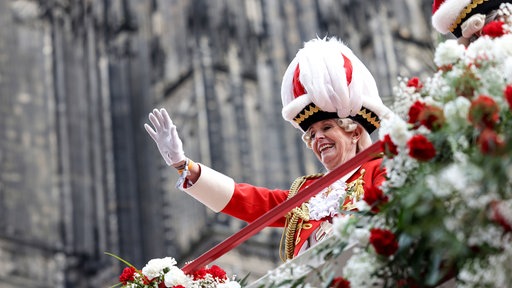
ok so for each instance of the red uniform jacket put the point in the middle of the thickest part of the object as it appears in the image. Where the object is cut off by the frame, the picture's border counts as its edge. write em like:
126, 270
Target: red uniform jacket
250, 202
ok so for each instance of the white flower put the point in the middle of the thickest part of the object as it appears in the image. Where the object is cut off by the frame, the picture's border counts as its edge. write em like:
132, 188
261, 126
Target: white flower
456, 112
362, 206
229, 284
453, 178
448, 53
503, 46
287, 271
342, 226
482, 49
507, 69
361, 236
397, 129
399, 168
360, 268
404, 97
154, 268
176, 277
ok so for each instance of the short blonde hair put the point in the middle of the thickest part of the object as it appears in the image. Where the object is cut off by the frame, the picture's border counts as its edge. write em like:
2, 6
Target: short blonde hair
348, 125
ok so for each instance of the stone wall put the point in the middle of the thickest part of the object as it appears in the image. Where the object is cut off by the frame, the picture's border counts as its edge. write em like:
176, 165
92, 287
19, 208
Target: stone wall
78, 174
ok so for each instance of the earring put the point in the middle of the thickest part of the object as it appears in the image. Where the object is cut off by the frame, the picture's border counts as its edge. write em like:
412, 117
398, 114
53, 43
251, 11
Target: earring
354, 141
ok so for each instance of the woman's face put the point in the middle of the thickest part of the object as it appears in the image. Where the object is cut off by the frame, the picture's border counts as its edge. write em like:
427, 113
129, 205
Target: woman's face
331, 144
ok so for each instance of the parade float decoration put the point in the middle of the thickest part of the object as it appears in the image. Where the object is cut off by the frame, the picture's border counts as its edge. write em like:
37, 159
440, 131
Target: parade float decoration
444, 215
164, 272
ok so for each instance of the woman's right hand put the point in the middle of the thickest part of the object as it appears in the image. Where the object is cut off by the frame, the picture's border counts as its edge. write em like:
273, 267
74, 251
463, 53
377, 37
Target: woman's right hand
166, 137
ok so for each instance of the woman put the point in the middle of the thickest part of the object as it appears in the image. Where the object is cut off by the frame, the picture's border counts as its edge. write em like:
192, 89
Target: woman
465, 18
328, 94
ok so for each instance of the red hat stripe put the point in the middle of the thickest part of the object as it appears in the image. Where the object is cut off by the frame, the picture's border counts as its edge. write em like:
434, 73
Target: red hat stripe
298, 89
436, 5
348, 69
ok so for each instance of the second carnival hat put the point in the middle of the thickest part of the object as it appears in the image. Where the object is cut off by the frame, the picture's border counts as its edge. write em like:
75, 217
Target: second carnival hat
448, 15
326, 80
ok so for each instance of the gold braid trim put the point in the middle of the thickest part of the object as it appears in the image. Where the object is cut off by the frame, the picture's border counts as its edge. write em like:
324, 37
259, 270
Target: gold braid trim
308, 111
355, 191
368, 116
292, 224
465, 12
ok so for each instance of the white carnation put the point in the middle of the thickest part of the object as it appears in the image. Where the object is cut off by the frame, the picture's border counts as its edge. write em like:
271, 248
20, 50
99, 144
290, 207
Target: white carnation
154, 268
448, 53
176, 277
397, 130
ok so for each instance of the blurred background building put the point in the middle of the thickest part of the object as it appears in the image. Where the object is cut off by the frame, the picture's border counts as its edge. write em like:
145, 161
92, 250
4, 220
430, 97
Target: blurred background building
78, 174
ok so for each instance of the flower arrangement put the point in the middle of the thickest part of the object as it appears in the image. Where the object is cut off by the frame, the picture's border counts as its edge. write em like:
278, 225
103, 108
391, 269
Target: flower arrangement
163, 272
445, 210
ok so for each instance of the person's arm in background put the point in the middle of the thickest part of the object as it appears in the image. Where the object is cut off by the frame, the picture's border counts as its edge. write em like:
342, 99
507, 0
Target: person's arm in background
217, 191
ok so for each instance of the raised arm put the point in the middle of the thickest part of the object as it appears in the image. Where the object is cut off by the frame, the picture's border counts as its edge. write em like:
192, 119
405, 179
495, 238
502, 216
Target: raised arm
169, 143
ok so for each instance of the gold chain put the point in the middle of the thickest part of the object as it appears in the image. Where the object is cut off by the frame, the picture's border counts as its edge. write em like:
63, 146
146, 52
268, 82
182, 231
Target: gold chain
292, 223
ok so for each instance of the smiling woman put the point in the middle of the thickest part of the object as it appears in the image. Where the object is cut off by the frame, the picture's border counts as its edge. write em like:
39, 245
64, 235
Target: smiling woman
334, 141
333, 99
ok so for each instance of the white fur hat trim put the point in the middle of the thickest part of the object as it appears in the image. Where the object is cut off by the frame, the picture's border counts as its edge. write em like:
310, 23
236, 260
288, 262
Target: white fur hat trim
446, 14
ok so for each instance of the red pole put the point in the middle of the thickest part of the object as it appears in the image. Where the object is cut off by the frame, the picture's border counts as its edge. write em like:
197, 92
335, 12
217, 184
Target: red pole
283, 208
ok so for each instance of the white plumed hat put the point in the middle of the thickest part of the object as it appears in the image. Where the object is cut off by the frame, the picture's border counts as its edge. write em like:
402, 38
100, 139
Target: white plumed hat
448, 15
326, 80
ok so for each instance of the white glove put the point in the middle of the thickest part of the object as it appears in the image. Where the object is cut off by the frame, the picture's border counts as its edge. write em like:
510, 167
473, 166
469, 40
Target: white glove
166, 137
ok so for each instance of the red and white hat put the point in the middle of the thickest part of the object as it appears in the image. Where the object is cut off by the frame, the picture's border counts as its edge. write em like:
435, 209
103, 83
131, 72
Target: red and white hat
326, 80
448, 15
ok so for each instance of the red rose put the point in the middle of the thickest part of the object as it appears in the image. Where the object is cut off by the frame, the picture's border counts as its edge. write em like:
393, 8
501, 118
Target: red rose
490, 143
127, 275
217, 272
415, 82
414, 112
388, 146
483, 112
508, 95
420, 148
432, 117
497, 210
493, 29
374, 197
384, 241
339, 282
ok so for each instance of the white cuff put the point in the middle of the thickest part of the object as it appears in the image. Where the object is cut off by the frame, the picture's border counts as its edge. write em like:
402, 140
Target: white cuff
213, 189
